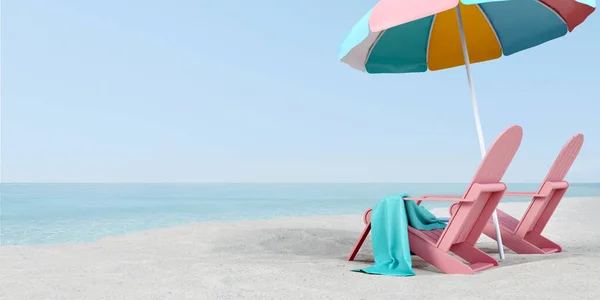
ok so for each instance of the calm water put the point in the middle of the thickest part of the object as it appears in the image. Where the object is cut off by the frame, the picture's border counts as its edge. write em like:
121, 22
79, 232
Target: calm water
55, 213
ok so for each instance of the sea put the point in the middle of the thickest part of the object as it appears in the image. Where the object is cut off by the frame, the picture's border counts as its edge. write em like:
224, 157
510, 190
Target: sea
45, 213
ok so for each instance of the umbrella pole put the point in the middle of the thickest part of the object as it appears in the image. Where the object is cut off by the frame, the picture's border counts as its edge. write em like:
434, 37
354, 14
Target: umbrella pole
477, 120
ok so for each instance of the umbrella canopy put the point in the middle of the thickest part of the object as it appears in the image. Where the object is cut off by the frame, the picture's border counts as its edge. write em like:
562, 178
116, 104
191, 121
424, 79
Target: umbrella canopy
402, 36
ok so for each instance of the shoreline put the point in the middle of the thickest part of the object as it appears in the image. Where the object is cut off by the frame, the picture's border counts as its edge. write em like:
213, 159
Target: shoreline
439, 212
293, 258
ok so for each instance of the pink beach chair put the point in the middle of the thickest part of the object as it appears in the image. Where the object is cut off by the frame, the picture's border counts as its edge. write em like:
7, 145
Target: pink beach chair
474, 209
525, 236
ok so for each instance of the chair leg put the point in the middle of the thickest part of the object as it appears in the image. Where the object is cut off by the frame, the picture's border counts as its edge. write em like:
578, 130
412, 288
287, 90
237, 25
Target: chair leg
474, 256
546, 245
512, 241
360, 241
438, 258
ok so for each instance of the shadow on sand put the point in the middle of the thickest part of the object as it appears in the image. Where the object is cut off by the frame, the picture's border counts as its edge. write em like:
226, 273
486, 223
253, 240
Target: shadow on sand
336, 244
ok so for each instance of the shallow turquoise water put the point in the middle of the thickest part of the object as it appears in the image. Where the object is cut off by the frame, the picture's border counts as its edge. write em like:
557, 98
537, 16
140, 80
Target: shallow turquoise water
55, 213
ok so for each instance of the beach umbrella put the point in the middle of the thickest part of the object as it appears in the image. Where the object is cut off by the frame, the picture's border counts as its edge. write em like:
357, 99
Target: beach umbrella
407, 36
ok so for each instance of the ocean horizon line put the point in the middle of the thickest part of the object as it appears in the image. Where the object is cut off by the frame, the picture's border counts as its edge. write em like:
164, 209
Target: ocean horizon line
270, 183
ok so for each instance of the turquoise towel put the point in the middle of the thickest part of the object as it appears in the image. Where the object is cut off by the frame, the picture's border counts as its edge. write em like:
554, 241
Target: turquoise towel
420, 218
389, 226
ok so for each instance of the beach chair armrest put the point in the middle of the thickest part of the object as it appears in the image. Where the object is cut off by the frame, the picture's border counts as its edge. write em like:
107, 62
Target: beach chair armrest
486, 187
521, 194
447, 198
553, 185
547, 187
443, 196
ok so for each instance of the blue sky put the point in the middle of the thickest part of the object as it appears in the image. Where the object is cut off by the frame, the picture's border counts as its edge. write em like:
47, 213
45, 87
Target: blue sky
252, 91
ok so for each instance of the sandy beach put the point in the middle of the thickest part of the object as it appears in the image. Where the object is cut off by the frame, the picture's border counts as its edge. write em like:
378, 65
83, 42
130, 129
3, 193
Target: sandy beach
293, 258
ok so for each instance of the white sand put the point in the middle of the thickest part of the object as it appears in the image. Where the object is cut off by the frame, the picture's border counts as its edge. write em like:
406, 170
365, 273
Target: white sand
293, 258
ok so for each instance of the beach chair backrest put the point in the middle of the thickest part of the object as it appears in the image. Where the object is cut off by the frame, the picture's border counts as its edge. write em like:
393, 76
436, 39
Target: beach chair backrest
499, 156
469, 219
541, 208
565, 159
